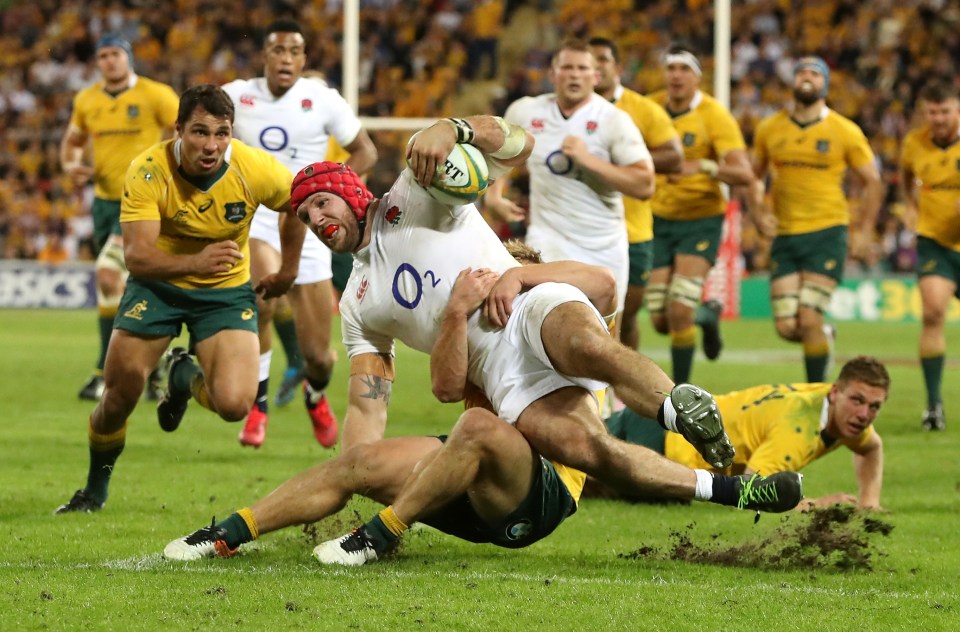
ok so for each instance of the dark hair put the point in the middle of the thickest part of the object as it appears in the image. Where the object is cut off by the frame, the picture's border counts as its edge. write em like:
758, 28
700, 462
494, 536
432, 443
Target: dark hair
865, 369
603, 42
681, 46
210, 97
281, 26
938, 91
573, 44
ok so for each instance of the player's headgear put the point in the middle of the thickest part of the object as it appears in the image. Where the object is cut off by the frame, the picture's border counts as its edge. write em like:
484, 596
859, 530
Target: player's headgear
336, 178
815, 63
111, 40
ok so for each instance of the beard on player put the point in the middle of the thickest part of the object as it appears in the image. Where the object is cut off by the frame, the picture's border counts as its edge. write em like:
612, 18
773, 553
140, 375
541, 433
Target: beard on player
806, 94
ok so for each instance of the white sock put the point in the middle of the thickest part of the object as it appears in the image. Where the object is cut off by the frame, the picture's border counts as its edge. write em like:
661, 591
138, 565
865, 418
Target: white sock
704, 489
669, 415
265, 358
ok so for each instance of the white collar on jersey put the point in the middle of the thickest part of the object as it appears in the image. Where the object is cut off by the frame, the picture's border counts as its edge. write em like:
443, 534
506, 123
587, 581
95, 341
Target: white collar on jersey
696, 100
618, 92
824, 111
823, 412
176, 151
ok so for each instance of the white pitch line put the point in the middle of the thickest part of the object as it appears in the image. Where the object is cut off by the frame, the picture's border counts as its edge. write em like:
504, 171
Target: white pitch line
154, 561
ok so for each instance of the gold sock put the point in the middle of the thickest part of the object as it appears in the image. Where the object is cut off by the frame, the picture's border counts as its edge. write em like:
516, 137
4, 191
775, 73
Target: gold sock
104, 442
684, 338
198, 387
248, 518
392, 522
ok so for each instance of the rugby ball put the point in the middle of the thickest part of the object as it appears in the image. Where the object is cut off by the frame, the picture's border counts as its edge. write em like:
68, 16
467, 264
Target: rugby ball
462, 178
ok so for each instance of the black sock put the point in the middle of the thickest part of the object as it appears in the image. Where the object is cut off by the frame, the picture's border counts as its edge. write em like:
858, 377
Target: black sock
261, 402
725, 490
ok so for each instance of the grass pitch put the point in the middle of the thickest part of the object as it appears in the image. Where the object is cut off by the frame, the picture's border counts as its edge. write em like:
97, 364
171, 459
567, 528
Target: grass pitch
611, 566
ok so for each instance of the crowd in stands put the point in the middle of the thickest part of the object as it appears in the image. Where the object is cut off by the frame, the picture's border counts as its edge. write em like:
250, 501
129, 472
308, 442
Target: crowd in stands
416, 56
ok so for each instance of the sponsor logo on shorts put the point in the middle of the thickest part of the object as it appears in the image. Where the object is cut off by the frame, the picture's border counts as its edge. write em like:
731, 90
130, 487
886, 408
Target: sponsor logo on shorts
830, 264
929, 265
136, 312
703, 245
247, 314
519, 530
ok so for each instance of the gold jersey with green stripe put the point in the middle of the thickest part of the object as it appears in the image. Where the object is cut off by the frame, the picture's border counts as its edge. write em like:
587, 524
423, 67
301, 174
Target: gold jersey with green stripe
655, 126
121, 126
707, 131
194, 212
808, 164
774, 428
937, 171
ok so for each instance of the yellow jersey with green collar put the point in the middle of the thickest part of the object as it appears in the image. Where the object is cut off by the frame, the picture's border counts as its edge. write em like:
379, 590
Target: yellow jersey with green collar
194, 212
121, 126
774, 428
807, 165
937, 171
707, 131
655, 126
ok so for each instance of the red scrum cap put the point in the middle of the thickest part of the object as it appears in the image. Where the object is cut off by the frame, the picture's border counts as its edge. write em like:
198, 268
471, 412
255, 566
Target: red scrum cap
336, 178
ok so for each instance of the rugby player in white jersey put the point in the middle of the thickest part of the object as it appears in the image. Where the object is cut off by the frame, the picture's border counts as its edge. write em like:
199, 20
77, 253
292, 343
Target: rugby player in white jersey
536, 349
588, 153
293, 117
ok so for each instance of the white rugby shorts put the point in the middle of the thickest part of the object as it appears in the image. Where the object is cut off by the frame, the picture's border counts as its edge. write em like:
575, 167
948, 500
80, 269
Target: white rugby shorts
516, 369
556, 247
314, 258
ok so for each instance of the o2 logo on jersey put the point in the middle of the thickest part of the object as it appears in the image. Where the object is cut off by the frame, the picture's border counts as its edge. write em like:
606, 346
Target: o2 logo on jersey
274, 138
559, 164
402, 289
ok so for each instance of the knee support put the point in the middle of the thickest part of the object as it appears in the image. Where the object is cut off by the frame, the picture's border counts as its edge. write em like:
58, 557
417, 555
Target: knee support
686, 290
655, 298
815, 296
785, 306
111, 257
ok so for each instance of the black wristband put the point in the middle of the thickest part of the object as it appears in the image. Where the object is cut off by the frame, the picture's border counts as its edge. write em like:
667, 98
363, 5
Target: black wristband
464, 130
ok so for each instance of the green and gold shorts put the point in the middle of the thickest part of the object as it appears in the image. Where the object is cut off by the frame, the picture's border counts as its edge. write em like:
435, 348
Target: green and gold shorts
934, 259
641, 262
699, 237
822, 251
156, 308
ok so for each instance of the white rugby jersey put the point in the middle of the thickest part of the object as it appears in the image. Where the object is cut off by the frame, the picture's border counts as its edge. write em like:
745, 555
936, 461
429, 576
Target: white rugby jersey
295, 127
563, 196
401, 281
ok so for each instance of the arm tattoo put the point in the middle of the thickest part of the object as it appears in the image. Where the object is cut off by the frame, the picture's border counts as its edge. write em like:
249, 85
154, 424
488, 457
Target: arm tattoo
379, 388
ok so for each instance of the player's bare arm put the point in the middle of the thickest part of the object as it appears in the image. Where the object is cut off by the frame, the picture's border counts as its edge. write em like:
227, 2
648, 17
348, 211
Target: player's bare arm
762, 216
363, 153
369, 388
448, 358
908, 184
871, 199
71, 156
292, 232
501, 207
597, 282
146, 261
508, 144
667, 157
635, 180
868, 465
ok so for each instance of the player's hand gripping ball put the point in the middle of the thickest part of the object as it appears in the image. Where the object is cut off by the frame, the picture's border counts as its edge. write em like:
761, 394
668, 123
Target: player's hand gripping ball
462, 178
